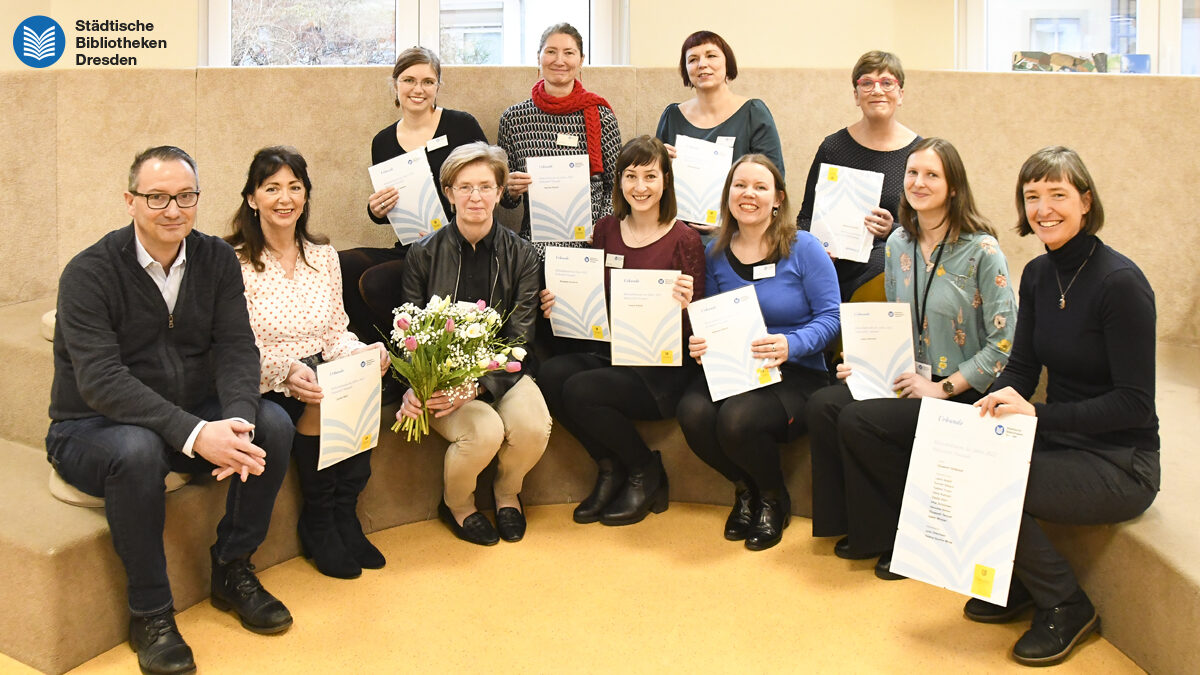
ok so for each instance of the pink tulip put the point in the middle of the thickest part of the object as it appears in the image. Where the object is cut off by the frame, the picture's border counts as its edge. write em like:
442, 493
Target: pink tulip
402, 323
493, 365
481, 305
449, 325
513, 366
410, 343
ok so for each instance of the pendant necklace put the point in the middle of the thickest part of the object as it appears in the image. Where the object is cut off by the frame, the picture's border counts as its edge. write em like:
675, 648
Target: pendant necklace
1062, 293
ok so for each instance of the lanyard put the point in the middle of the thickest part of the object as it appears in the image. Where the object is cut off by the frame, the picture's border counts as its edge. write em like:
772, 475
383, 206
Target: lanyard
931, 272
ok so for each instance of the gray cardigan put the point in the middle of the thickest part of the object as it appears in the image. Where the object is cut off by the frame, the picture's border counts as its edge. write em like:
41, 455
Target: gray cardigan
119, 353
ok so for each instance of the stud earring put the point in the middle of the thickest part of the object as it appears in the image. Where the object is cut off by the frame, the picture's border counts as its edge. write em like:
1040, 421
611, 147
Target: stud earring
774, 211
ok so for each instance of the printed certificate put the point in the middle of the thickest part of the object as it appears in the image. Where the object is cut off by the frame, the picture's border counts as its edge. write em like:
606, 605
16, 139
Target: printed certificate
729, 322
647, 323
350, 407
576, 278
845, 196
963, 500
418, 210
700, 168
560, 198
877, 338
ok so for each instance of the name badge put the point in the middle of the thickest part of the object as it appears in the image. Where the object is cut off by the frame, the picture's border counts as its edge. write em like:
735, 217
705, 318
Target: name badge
726, 141
568, 140
614, 260
925, 370
435, 143
764, 271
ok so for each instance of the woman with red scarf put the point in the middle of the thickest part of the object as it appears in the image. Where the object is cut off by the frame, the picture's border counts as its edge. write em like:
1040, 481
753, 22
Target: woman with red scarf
560, 118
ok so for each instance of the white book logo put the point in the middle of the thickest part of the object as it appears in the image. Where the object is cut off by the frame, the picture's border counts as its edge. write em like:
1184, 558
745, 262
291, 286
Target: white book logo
39, 47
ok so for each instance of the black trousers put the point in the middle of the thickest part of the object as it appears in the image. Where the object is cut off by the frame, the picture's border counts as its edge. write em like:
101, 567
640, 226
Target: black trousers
740, 436
598, 402
371, 289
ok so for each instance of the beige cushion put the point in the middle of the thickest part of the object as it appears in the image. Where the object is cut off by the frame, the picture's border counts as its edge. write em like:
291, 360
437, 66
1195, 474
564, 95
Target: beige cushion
65, 492
48, 325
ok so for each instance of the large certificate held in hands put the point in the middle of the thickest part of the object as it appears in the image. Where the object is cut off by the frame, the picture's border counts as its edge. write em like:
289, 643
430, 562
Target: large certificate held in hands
576, 278
878, 343
647, 322
560, 198
729, 322
844, 197
963, 500
700, 168
350, 407
418, 210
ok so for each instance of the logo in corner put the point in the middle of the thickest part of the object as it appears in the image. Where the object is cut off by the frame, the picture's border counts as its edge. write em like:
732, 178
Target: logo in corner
999, 429
39, 41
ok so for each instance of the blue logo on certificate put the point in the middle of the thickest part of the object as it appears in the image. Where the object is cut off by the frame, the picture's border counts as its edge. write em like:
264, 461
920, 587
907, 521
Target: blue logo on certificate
999, 429
39, 41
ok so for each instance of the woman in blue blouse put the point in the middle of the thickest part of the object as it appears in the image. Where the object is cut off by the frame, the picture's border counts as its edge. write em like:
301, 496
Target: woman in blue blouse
944, 261
797, 291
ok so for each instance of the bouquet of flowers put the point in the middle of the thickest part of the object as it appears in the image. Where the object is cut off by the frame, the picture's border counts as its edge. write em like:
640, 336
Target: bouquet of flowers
445, 346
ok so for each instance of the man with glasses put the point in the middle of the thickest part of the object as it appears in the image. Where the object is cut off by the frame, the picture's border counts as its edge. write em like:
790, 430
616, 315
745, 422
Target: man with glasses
156, 370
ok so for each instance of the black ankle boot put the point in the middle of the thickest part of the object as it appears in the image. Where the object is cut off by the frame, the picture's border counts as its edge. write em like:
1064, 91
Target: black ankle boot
1056, 631
352, 476
236, 587
609, 481
319, 537
159, 646
774, 514
645, 490
741, 518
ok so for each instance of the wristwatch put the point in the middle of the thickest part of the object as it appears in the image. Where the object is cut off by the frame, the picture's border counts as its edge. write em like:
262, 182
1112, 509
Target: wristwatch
948, 387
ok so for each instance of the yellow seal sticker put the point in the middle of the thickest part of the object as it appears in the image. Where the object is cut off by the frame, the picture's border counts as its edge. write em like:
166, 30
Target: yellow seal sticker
833, 173
366, 442
764, 377
668, 357
710, 217
580, 232
436, 224
984, 578
598, 332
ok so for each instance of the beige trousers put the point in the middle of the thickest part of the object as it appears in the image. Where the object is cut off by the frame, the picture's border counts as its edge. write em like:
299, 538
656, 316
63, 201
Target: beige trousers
516, 428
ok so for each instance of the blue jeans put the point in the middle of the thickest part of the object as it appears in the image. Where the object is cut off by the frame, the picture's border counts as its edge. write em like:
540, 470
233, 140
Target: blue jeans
126, 465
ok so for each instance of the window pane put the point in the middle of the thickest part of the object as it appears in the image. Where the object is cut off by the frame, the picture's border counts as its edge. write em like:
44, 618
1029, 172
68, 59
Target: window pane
1189, 39
1077, 27
312, 32
504, 31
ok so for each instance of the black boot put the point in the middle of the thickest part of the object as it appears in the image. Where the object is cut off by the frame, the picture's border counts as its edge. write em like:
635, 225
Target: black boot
352, 476
236, 587
159, 646
741, 518
774, 514
609, 481
318, 535
1056, 631
645, 490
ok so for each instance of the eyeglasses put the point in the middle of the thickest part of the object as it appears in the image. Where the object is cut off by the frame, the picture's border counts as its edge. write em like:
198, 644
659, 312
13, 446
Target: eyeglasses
866, 85
159, 201
413, 82
468, 190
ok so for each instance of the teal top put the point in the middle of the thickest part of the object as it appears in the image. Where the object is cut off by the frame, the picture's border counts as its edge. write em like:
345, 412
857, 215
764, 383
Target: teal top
970, 317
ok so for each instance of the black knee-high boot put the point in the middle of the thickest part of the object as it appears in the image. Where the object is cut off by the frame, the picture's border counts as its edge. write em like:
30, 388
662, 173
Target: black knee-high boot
352, 476
318, 534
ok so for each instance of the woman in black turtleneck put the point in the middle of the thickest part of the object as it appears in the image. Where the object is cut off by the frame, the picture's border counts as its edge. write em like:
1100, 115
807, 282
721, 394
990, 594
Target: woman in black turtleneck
1087, 315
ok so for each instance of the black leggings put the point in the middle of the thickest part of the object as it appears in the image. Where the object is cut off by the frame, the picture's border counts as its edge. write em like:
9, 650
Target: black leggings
371, 289
597, 402
740, 436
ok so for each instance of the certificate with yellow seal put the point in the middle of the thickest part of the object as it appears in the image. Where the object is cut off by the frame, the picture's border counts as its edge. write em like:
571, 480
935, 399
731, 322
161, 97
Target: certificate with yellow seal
418, 210
349, 407
647, 321
963, 499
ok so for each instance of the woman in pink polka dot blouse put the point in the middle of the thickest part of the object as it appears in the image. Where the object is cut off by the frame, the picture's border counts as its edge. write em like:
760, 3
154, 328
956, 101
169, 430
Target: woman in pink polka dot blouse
294, 296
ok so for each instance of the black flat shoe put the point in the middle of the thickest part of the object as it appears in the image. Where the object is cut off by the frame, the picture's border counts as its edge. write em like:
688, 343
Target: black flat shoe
773, 516
986, 612
236, 587
476, 528
159, 646
883, 568
842, 550
1056, 631
510, 522
742, 517
609, 480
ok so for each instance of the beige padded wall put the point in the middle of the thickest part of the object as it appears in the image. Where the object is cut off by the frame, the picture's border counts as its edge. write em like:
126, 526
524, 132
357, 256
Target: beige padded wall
28, 257
1135, 132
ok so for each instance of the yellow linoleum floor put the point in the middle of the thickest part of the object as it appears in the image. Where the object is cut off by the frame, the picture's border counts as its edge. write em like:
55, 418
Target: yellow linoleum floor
666, 595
